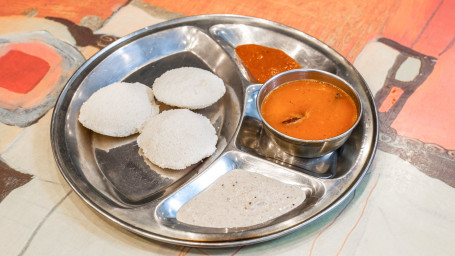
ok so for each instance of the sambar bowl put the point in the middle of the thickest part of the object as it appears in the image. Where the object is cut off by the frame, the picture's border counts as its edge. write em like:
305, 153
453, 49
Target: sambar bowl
307, 148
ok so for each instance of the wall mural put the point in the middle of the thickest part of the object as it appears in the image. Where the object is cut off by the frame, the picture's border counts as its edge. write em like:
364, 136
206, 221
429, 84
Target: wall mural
430, 158
34, 67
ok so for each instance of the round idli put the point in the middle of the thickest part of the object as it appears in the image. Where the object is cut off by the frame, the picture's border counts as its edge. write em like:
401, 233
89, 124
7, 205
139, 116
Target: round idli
177, 138
188, 87
119, 109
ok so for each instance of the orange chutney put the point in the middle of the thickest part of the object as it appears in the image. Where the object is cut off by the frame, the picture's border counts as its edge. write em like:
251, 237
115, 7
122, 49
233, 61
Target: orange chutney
309, 110
265, 62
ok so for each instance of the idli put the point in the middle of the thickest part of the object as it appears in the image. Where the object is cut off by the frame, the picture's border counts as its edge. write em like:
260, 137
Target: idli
177, 138
119, 109
188, 87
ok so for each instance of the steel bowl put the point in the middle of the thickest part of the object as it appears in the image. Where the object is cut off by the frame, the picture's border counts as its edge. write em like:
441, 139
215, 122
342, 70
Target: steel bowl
300, 147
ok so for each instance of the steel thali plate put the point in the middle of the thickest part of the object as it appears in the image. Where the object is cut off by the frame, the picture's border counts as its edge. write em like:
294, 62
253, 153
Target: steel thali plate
112, 176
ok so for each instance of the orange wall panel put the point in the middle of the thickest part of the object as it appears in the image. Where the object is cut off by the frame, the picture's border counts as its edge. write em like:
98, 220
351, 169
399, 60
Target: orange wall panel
73, 10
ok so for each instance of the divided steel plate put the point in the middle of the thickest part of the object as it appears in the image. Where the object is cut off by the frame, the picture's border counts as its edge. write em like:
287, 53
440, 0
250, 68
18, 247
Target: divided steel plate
112, 176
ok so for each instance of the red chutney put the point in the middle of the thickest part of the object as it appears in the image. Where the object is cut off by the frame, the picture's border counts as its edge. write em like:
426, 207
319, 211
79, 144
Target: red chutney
309, 110
265, 62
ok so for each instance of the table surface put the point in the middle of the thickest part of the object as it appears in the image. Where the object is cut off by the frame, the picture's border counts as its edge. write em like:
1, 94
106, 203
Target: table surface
404, 49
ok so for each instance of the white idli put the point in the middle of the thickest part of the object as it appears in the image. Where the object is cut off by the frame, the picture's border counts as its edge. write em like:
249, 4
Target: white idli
188, 87
119, 109
177, 138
